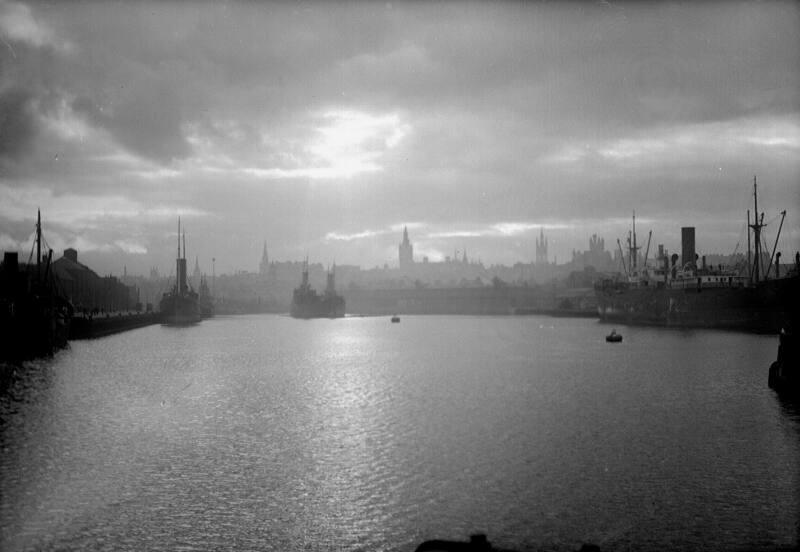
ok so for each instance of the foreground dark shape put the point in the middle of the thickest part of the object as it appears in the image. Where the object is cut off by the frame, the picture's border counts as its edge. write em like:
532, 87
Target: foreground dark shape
784, 374
34, 312
476, 543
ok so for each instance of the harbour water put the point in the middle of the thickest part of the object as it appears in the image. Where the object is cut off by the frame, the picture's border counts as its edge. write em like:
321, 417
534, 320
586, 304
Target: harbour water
270, 433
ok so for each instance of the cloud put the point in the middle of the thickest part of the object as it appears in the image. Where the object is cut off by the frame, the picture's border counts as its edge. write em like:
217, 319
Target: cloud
7, 243
150, 123
132, 247
18, 126
334, 236
18, 24
76, 211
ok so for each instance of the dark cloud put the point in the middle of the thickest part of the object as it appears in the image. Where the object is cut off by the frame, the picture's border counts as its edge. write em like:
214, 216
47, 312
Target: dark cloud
149, 123
18, 127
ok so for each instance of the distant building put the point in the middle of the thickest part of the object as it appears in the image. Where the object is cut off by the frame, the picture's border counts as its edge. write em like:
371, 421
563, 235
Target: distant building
596, 257
263, 267
541, 248
406, 252
196, 275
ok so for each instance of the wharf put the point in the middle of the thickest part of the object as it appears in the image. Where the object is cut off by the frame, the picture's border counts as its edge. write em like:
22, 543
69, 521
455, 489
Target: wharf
90, 327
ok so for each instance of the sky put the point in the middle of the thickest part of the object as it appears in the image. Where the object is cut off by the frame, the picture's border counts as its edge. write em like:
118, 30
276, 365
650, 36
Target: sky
324, 129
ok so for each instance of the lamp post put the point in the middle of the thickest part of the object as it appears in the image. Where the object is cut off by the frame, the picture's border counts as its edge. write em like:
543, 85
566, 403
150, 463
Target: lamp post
213, 277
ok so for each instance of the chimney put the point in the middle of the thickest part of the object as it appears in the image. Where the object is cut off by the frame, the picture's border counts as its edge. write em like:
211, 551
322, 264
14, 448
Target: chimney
71, 254
687, 246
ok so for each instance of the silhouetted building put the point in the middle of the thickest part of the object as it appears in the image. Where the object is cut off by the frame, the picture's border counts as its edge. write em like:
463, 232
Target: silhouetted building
596, 257
263, 267
88, 291
196, 275
541, 248
406, 252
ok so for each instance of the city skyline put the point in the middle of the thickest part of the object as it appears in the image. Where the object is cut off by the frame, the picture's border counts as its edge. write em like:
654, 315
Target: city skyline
326, 129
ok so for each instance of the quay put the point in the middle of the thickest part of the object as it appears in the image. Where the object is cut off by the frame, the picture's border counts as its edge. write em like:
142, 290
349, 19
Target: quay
94, 326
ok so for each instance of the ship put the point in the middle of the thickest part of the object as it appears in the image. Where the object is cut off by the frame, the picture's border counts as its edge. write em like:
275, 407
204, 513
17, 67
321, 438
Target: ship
307, 303
685, 293
180, 306
35, 314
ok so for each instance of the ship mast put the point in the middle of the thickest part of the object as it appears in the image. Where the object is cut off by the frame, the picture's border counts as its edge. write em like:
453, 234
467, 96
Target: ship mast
635, 253
757, 226
38, 243
622, 257
774, 247
749, 266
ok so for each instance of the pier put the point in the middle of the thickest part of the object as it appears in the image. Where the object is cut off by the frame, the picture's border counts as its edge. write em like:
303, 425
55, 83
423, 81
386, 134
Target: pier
94, 326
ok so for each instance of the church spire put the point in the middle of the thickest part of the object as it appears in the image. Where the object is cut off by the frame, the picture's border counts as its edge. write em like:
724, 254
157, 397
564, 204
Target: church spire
263, 267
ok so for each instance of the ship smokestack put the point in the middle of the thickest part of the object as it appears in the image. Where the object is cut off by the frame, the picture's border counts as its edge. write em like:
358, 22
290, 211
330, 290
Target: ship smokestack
687, 246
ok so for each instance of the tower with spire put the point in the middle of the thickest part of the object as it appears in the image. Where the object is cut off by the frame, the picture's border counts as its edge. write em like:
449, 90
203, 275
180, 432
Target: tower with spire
541, 248
405, 251
263, 267
196, 275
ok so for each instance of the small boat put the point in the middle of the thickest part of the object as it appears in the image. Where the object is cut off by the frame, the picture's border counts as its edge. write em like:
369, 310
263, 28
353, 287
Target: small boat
395, 319
614, 337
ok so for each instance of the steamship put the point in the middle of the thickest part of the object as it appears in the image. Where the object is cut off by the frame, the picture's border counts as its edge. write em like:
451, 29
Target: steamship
306, 303
679, 292
180, 306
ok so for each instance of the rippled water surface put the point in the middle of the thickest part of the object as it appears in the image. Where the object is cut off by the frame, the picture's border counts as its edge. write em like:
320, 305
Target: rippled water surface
266, 432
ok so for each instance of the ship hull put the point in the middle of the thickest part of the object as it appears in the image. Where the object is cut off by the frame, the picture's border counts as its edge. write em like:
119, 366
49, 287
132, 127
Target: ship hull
177, 310
322, 308
765, 308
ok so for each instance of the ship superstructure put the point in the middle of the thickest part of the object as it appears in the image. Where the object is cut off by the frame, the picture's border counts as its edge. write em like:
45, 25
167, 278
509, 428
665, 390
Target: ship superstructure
307, 303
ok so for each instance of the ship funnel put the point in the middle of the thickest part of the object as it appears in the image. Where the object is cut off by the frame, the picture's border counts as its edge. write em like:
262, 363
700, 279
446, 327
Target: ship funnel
687, 246
182, 285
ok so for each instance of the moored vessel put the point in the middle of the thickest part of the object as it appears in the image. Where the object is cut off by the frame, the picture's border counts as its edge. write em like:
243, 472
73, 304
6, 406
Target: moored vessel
678, 292
180, 306
307, 303
35, 314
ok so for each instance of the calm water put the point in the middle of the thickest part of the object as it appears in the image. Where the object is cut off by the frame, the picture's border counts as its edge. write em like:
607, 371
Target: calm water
357, 434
